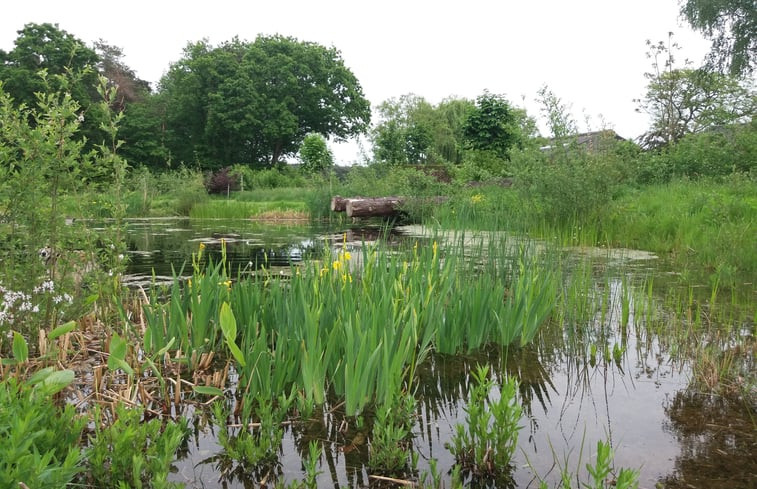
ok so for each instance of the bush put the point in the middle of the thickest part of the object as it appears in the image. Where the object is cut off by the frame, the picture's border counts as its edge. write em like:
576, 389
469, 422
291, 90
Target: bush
566, 185
221, 182
40, 444
481, 165
716, 153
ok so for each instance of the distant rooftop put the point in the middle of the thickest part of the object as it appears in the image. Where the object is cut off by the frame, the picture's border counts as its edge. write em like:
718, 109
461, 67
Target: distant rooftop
594, 140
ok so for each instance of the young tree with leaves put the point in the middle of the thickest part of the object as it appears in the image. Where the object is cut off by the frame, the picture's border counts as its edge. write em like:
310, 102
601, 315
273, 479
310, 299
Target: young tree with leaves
315, 154
684, 100
559, 119
495, 125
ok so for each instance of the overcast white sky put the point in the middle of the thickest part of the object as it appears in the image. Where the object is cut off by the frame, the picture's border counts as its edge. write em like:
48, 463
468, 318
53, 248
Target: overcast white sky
591, 53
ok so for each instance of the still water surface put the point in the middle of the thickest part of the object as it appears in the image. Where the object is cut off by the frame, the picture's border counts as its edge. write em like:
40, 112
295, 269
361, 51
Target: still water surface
639, 401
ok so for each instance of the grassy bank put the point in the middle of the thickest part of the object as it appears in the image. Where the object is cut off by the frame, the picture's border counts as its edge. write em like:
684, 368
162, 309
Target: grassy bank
706, 228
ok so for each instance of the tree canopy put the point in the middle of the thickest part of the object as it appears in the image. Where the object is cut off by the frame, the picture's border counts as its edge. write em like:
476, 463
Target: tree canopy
42, 51
411, 130
732, 27
315, 154
254, 103
495, 125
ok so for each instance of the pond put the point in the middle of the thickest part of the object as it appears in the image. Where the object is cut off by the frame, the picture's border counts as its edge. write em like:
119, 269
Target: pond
633, 394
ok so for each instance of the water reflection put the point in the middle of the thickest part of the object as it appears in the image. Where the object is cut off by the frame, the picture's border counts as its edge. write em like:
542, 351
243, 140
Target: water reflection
717, 449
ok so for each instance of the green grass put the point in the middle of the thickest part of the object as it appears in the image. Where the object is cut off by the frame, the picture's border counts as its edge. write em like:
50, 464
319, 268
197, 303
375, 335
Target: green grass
272, 194
705, 225
235, 209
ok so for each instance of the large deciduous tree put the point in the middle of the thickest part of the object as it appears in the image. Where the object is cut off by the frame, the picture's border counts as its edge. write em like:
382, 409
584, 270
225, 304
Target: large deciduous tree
732, 27
42, 51
254, 103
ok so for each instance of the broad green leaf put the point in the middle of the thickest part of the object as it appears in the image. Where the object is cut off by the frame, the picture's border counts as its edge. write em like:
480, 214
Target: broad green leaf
40, 375
237, 353
20, 348
62, 329
229, 329
117, 358
228, 323
208, 390
56, 382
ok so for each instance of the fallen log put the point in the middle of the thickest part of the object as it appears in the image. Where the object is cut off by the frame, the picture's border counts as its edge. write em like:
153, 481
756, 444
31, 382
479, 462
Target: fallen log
374, 207
339, 204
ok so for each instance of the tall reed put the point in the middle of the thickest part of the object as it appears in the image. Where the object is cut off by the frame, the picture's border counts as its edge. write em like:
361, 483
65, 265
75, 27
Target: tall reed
357, 327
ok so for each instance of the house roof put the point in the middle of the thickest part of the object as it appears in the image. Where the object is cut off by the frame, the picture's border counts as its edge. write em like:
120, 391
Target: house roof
594, 140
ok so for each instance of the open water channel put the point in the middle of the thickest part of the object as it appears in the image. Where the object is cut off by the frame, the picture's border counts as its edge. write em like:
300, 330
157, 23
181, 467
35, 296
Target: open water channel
640, 400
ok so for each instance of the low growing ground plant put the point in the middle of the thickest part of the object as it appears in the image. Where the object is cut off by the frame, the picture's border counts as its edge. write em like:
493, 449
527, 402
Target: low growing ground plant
600, 475
129, 452
389, 452
484, 446
253, 445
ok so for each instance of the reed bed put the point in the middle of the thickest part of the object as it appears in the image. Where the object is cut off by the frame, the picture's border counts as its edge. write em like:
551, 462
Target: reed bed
354, 328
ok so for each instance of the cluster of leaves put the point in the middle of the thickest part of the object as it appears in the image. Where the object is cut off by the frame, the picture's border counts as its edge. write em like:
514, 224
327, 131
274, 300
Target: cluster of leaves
315, 155
40, 441
252, 450
390, 437
732, 26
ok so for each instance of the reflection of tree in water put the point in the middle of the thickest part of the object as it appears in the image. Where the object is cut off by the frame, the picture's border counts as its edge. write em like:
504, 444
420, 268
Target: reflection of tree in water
718, 440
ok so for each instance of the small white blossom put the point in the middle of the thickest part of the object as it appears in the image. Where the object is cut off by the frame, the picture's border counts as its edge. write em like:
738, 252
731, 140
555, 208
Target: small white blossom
46, 286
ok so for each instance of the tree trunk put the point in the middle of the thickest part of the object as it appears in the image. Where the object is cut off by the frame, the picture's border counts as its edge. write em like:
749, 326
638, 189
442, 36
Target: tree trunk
339, 204
374, 207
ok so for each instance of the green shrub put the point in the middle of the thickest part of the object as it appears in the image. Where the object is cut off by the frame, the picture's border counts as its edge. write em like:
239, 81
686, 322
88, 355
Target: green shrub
567, 185
268, 178
40, 441
131, 453
716, 153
